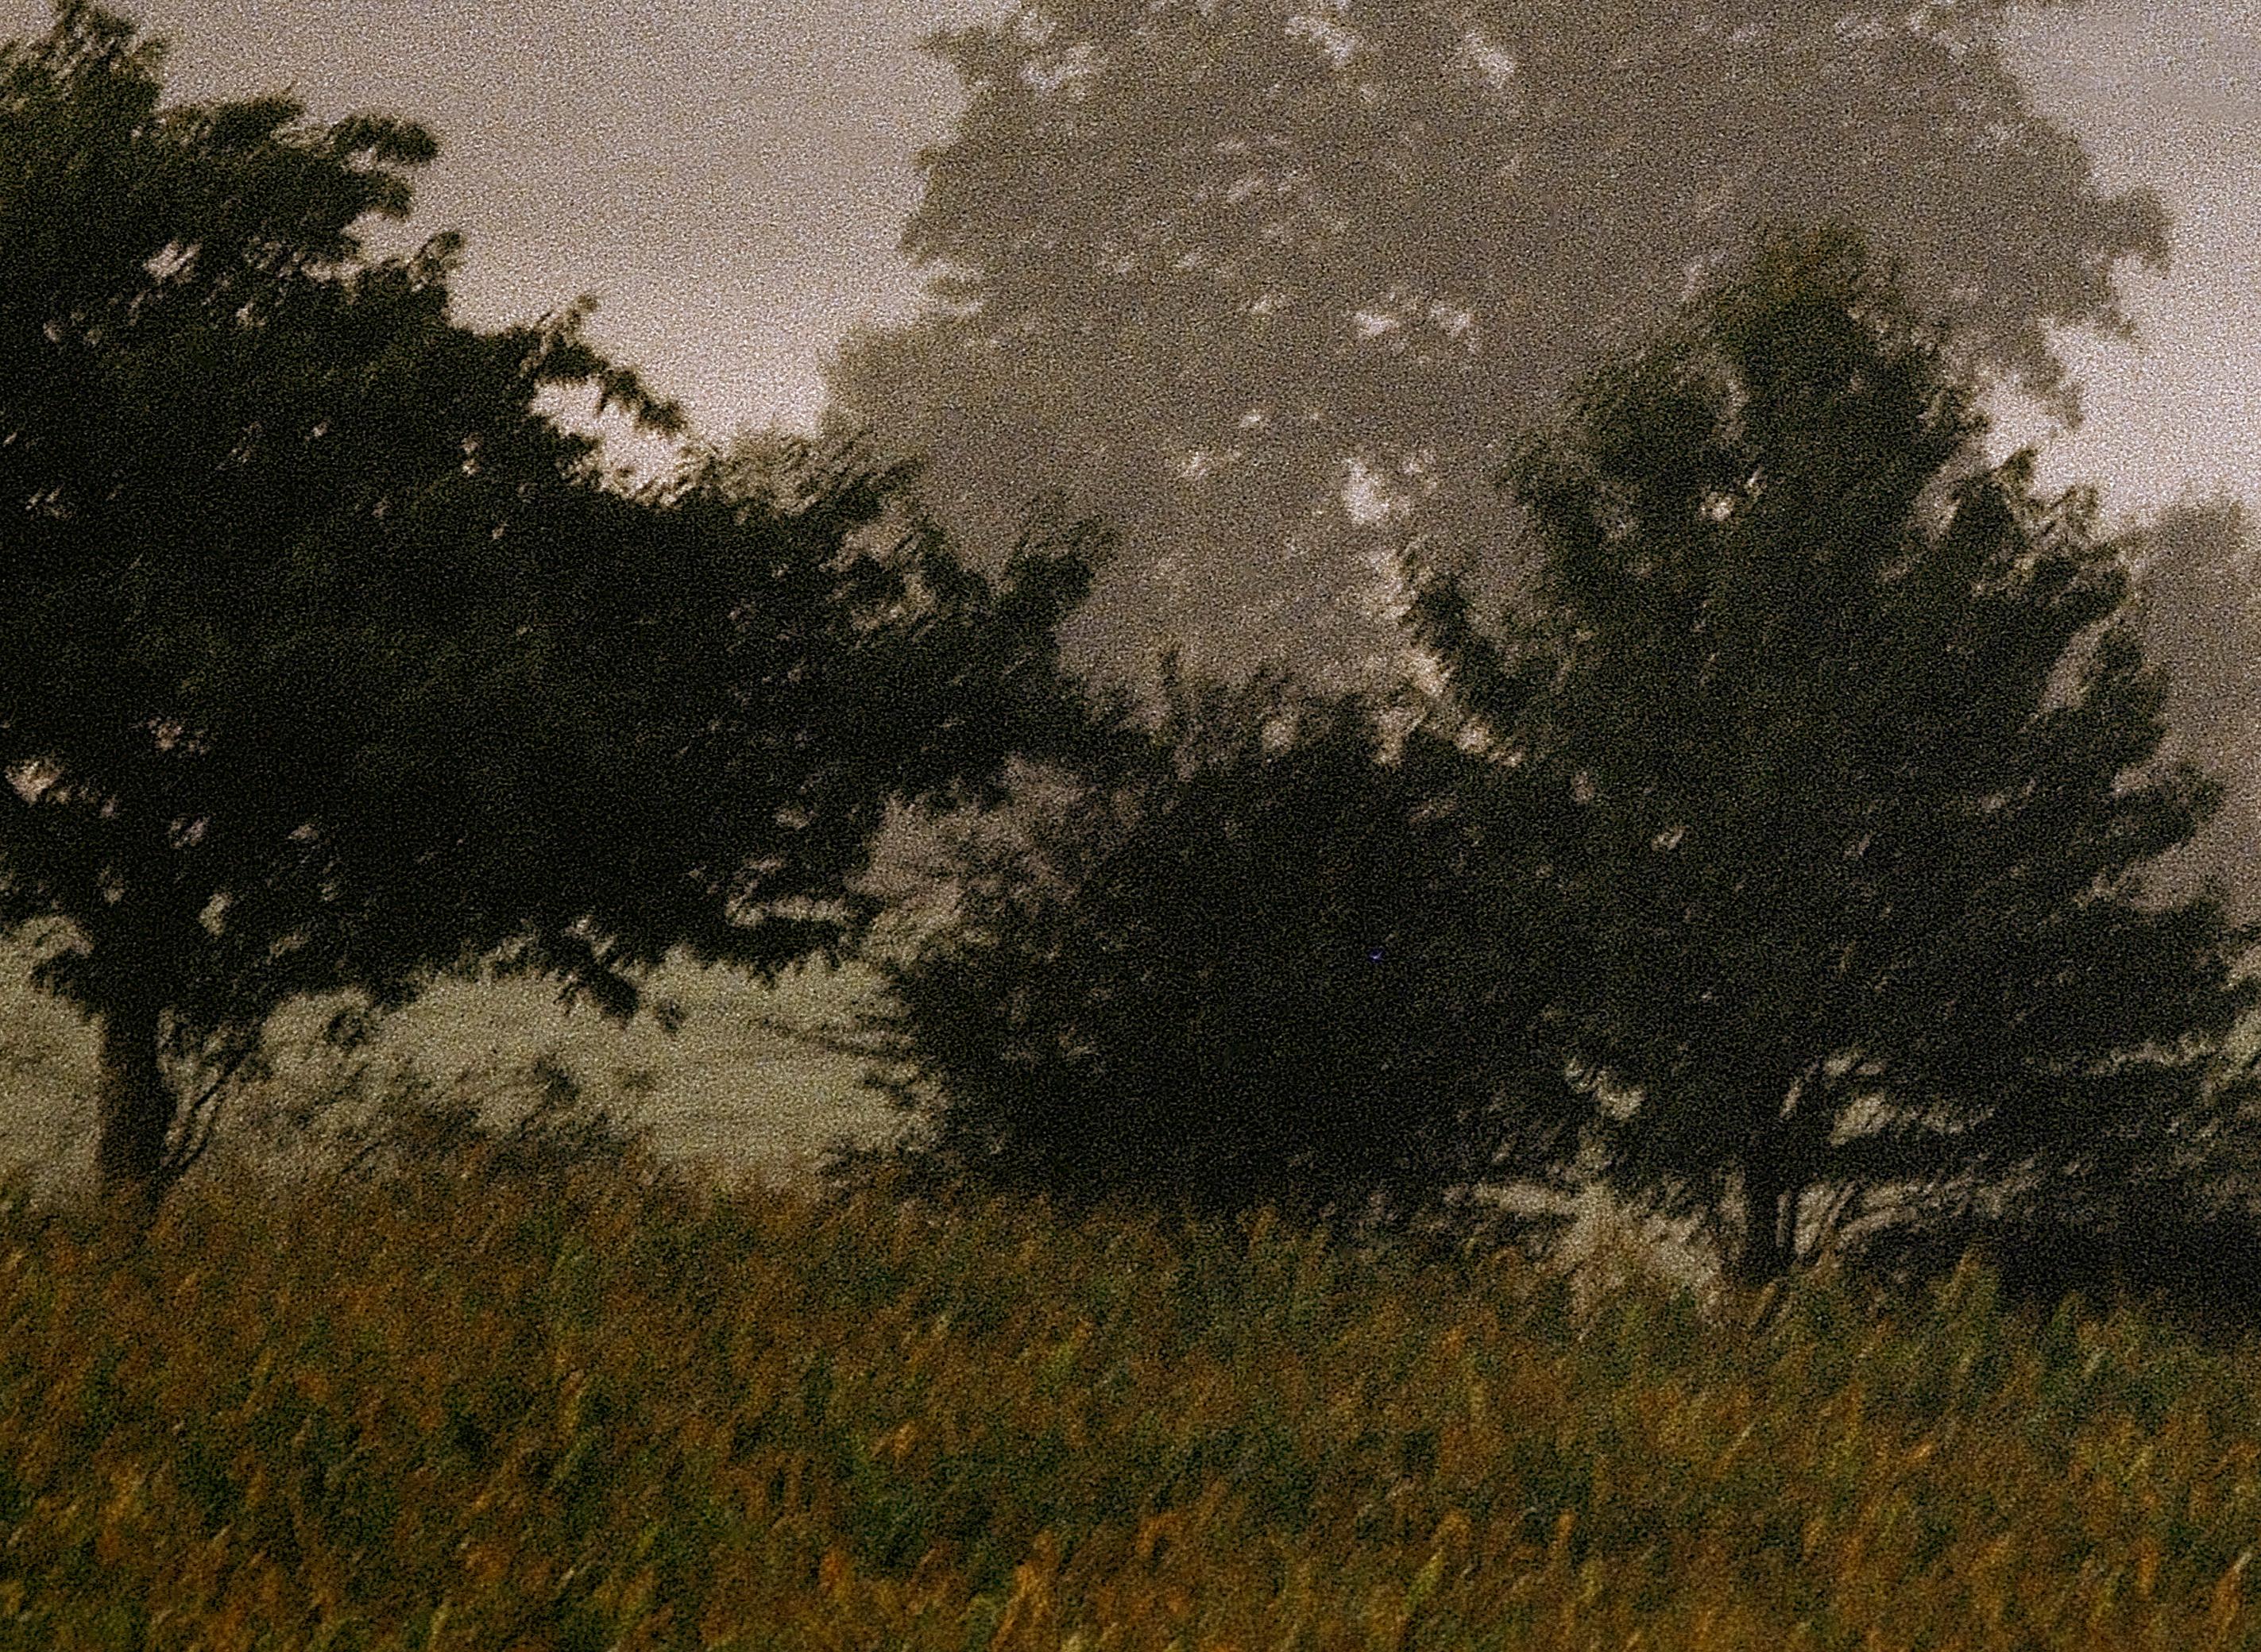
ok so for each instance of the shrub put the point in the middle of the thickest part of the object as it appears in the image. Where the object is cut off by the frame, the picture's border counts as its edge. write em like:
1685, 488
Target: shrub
1248, 957
529, 1123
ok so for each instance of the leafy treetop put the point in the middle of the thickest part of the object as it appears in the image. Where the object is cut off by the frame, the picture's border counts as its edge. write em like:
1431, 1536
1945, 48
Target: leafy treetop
1266, 283
335, 662
1863, 750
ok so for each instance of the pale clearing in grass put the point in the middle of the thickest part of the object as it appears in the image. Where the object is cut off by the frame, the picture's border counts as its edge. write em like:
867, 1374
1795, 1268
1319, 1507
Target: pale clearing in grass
730, 1089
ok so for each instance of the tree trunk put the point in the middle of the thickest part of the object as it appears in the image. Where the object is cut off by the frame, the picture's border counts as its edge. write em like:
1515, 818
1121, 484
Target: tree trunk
135, 1108
1769, 1218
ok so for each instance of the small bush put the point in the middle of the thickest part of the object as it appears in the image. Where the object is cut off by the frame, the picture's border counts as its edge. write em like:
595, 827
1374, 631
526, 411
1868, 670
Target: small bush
1251, 963
531, 1123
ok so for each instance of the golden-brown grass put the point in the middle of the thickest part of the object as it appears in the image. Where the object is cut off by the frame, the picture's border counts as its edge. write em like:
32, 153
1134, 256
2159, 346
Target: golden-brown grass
619, 1413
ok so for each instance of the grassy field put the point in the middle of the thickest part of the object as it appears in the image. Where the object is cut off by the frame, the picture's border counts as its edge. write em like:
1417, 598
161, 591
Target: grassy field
729, 1088
615, 1415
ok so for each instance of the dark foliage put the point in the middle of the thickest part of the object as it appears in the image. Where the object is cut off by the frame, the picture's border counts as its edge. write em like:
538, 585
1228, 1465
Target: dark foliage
1243, 961
2180, 1259
335, 661
1861, 753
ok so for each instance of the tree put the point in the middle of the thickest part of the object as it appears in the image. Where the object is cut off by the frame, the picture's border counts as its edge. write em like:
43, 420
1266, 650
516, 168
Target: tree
335, 662
1264, 283
1237, 959
1861, 745
2199, 608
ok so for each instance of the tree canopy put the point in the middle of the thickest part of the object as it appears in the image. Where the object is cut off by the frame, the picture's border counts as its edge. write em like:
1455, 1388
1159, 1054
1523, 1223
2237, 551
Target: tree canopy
1864, 756
1268, 284
335, 662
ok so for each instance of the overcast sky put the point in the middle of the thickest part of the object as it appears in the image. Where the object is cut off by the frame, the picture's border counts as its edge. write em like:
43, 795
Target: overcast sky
728, 176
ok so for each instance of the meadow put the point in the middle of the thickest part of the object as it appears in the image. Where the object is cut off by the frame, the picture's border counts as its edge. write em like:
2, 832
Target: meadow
734, 1088
635, 1409
673, 1398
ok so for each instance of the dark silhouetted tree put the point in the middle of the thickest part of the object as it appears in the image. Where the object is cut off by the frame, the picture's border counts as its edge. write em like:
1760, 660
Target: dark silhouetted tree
1266, 283
1862, 747
334, 662
1245, 961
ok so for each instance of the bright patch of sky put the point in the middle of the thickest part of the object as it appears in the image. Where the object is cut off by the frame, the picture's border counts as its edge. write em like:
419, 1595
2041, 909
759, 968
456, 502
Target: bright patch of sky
2167, 95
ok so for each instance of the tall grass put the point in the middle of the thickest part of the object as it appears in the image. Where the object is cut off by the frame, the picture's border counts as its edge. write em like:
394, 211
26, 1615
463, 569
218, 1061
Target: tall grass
452, 1408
